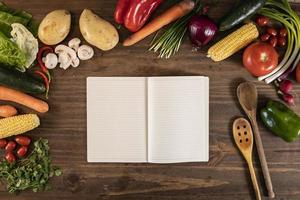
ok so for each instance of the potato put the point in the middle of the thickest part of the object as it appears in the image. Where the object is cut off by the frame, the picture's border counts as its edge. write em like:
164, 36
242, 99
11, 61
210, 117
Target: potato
97, 31
55, 27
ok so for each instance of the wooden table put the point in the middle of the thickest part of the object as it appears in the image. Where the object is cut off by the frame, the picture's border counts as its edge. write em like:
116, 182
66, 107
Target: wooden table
224, 177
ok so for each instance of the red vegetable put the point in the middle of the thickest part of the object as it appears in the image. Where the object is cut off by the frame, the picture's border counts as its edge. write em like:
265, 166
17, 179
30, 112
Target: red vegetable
10, 157
281, 41
298, 73
202, 30
272, 31
22, 151
22, 140
288, 98
3, 143
273, 41
286, 86
262, 20
265, 37
283, 32
135, 13
11, 145
260, 59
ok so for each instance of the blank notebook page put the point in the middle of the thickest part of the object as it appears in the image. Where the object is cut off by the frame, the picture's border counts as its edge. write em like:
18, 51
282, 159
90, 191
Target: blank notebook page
178, 117
116, 120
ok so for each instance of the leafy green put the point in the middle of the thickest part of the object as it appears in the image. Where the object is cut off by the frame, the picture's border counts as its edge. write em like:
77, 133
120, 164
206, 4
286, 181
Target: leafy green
19, 13
10, 54
32, 172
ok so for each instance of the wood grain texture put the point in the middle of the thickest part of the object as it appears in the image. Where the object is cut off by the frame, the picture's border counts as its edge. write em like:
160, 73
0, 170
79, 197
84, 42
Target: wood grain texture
226, 175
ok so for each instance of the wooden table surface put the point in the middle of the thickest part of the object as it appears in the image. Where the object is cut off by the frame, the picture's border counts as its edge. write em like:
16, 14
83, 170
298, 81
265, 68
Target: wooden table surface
225, 176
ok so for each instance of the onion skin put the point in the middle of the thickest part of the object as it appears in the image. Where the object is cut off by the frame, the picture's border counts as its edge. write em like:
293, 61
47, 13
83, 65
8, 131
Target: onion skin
202, 30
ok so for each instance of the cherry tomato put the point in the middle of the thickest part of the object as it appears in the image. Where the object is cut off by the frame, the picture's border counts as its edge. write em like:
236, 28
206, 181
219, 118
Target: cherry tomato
22, 151
260, 59
273, 41
262, 20
10, 157
283, 32
272, 31
298, 73
11, 145
281, 41
22, 140
265, 37
3, 143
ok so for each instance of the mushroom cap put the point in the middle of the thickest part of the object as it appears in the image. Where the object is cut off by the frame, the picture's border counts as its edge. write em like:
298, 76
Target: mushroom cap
51, 60
85, 52
74, 43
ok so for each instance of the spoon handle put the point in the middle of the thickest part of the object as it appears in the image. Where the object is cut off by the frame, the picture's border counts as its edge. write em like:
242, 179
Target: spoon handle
262, 158
254, 180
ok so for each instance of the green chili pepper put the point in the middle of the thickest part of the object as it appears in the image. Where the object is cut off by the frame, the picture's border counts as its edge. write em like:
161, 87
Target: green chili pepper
281, 120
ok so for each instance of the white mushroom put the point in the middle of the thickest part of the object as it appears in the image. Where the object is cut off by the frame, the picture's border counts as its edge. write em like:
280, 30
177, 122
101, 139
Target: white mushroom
51, 61
85, 52
65, 60
75, 63
66, 56
74, 43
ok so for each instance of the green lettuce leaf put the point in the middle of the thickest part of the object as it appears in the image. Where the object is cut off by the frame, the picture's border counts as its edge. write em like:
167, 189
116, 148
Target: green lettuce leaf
10, 55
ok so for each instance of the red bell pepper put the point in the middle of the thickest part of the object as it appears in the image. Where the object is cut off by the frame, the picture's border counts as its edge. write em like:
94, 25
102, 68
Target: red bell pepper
135, 13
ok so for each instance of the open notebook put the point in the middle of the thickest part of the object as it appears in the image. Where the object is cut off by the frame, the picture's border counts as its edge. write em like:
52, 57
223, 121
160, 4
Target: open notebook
155, 119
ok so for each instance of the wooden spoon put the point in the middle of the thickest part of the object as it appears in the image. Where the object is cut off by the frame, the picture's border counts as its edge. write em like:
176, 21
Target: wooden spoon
247, 95
243, 138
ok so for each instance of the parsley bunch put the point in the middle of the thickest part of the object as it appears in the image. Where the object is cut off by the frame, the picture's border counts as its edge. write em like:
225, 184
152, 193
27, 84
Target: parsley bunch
32, 172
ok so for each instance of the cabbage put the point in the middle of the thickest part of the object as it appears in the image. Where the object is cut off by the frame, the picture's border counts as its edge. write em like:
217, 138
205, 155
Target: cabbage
10, 55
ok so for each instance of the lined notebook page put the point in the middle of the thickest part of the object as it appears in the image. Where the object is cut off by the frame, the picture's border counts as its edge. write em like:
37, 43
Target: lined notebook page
116, 120
178, 114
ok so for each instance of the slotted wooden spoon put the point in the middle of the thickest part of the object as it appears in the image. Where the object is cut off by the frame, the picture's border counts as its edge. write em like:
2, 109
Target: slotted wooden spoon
243, 138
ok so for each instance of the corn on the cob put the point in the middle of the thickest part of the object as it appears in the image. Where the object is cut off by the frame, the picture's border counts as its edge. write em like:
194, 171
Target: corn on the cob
233, 42
17, 125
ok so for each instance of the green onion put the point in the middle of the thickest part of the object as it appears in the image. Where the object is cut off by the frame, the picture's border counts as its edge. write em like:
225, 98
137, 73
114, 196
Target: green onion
281, 11
169, 42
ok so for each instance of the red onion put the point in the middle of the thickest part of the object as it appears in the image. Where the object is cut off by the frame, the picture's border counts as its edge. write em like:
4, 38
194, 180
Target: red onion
202, 30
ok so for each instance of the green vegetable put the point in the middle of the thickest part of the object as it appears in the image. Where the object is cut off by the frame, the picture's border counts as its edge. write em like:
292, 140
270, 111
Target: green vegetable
21, 81
10, 54
169, 42
32, 172
243, 11
281, 11
7, 19
26, 42
281, 120
19, 13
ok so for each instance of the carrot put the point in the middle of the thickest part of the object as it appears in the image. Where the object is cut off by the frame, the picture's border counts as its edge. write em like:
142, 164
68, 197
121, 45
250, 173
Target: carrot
177, 11
8, 111
7, 94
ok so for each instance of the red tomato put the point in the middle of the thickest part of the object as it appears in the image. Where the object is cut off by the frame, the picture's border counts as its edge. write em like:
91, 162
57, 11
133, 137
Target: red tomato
273, 41
272, 31
10, 157
3, 143
11, 145
281, 41
283, 32
262, 20
265, 37
298, 73
260, 59
22, 140
22, 151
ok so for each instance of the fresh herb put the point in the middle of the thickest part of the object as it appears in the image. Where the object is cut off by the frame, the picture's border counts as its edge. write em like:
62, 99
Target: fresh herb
32, 172
169, 42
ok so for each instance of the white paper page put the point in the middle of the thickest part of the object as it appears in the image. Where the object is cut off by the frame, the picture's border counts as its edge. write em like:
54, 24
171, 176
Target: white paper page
178, 118
116, 120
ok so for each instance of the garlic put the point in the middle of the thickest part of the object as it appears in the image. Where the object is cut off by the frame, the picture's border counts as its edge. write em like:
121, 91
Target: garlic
50, 60
85, 52
74, 43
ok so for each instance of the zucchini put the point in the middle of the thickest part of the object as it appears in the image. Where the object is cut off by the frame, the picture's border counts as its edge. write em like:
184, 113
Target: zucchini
242, 12
21, 81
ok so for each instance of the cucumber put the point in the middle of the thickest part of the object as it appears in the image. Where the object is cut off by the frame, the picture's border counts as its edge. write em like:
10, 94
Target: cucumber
21, 81
243, 11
